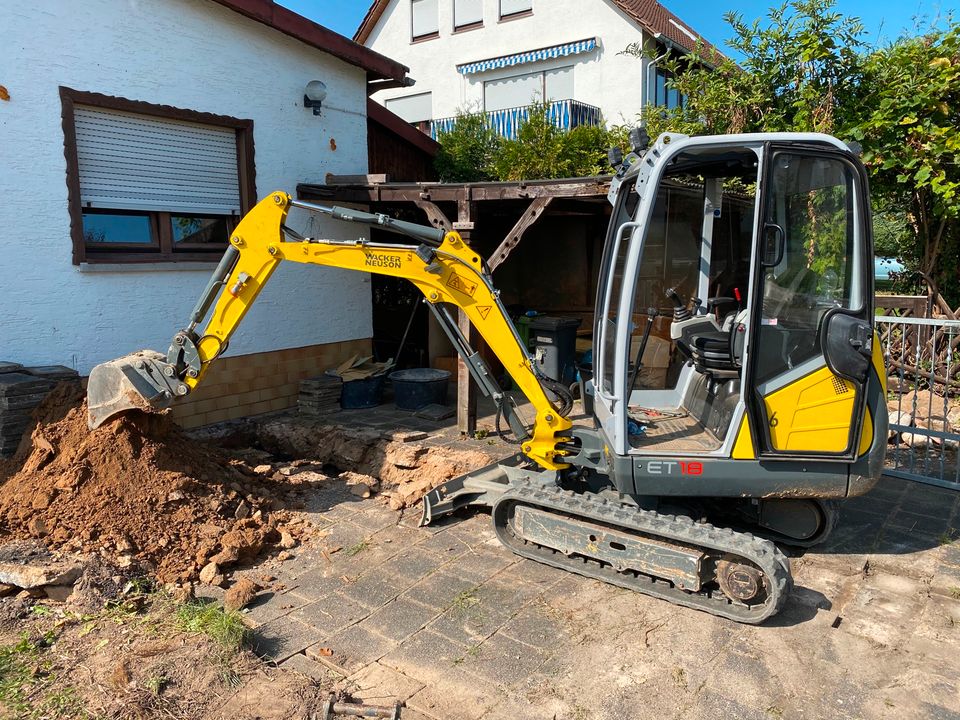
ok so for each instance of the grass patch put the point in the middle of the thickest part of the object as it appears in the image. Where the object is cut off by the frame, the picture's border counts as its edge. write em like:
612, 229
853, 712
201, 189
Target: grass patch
224, 628
948, 537
358, 548
466, 600
955, 592
28, 685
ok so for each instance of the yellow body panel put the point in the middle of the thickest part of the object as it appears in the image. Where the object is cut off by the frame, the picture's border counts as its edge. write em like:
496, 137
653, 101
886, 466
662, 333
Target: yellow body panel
812, 414
866, 437
743, 446
455, 275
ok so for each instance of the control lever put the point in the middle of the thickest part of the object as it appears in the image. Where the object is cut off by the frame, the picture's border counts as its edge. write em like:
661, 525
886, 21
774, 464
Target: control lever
680, 311
652, 314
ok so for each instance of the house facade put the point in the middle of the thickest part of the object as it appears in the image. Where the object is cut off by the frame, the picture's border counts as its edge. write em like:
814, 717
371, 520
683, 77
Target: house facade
498, 55
134, 136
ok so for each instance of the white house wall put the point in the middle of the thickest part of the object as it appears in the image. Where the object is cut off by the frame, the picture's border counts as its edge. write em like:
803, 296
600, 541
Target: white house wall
615, 85
190, 54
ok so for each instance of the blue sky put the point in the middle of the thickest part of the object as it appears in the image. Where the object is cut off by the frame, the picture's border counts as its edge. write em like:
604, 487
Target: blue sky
883, 19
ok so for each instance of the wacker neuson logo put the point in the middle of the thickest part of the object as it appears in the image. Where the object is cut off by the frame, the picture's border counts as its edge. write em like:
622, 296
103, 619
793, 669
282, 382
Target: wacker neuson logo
384, 261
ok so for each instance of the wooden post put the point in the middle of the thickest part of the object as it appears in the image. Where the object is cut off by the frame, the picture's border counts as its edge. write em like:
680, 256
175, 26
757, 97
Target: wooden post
466, 391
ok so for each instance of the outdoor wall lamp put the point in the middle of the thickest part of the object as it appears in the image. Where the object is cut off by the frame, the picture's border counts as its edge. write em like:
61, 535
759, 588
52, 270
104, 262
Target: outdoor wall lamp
314, 95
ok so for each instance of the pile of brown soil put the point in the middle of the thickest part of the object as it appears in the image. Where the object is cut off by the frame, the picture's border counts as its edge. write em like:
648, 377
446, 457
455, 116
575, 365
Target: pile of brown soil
138, 489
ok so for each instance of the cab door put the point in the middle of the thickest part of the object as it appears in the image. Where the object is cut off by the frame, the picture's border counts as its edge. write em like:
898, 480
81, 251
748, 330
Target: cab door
812, 327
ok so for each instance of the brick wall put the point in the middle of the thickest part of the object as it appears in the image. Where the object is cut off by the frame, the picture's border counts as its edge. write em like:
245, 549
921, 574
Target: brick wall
243, 385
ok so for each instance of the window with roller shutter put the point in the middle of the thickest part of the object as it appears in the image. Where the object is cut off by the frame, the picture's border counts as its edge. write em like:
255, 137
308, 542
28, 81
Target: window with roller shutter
467, 14
425, 19
151, 183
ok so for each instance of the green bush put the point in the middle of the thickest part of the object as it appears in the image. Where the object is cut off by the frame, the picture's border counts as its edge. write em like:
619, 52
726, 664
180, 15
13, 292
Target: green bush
467, 151
473, 152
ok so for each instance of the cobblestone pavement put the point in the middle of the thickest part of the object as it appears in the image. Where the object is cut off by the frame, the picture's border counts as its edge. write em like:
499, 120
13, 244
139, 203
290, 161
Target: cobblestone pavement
449, 621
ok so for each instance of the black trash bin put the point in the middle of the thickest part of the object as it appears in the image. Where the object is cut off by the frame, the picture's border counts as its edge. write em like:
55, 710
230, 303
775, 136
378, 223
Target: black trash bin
553, 342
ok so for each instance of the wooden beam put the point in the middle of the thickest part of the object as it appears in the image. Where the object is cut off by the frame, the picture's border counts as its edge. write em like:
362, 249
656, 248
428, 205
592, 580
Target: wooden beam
476, 192
356, 179
529, 217
434, 214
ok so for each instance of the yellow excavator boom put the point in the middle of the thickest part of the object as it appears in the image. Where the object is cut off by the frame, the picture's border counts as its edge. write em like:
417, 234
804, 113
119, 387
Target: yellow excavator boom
450, 273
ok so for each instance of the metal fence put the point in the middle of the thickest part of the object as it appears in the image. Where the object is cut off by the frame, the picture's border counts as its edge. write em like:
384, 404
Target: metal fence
923, 376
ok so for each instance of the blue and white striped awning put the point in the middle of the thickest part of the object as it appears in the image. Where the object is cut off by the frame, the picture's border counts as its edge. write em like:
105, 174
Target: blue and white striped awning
574, 48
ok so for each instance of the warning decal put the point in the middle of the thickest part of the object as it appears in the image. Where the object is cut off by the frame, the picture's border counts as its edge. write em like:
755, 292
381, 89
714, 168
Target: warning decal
484, 310
458, 283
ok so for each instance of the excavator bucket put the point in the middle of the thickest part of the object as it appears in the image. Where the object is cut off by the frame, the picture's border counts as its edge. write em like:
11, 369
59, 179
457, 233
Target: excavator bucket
140, 381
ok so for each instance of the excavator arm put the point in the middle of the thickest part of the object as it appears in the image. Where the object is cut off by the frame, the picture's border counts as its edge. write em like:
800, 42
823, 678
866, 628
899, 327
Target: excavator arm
441, 265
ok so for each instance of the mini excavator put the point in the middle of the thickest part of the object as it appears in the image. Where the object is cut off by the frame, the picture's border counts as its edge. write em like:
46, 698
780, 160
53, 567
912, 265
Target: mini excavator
751, 255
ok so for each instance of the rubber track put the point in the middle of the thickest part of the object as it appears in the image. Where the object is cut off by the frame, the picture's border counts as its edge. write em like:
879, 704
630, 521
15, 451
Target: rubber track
679, 528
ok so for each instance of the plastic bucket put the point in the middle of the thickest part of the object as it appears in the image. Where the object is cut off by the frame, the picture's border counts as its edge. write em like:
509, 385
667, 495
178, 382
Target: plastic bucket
365, 393
418, 387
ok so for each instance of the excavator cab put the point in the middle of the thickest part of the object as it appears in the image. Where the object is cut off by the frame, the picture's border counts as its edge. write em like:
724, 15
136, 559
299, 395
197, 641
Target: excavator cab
749, 257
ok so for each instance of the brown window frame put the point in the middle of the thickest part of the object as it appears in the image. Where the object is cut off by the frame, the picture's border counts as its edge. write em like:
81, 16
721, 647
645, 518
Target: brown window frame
514, 15
161, 250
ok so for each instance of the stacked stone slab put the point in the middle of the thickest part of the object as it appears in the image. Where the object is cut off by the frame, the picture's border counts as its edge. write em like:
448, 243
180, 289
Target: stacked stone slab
319, 395
21, 390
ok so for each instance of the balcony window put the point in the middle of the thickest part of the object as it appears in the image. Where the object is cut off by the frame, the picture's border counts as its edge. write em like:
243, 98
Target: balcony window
426, 21
412, 108
519, 90
467, 14
511, 8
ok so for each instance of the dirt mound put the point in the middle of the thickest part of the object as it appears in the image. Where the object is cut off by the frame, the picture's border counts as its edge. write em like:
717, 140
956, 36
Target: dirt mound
138, 489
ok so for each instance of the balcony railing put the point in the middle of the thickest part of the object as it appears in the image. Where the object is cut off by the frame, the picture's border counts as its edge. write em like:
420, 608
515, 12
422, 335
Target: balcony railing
565, 114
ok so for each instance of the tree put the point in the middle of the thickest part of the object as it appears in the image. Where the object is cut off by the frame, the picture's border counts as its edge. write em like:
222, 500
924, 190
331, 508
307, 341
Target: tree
793, 75
910, 129
807, 69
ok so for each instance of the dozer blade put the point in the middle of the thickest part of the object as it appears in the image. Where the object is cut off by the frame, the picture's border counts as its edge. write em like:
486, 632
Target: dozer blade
140, 381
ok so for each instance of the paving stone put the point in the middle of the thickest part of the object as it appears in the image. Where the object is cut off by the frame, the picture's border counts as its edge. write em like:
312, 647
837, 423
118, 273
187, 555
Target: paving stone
269, 606
877, 614
319, 582
351, 649
534, 625
501, 661
530, 571
468, 625
375, 517
400, 619
913, 523
408, 567
424, 655
483, 563
283, 637
712, 704
311, 668
379, 685
331, 614
347, 536
460, 697
951, 553
440, 589
371, 590
447, 544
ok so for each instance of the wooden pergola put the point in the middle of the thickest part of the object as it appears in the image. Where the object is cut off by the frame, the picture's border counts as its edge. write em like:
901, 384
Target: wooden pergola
459, 206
